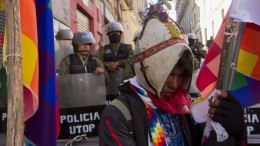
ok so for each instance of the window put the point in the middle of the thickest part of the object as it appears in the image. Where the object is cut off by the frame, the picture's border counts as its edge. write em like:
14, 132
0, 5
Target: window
83, 22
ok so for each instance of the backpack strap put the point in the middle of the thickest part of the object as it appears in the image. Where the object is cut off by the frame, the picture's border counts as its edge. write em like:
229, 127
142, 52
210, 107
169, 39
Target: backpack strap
122, 107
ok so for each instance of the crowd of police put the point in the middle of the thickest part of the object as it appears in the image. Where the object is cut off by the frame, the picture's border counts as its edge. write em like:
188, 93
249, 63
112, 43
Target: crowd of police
114, 60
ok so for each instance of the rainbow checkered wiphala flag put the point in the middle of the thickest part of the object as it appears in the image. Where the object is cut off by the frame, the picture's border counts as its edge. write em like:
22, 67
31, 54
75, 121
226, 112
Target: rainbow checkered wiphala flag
156, 131
246, 84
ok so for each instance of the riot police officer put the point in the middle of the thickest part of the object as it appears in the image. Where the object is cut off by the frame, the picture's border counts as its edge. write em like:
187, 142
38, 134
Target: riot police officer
82, 61
114, 57
64, 34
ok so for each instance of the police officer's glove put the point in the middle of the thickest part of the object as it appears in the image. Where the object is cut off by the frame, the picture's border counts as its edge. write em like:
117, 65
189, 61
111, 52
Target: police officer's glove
212, 141
227, 111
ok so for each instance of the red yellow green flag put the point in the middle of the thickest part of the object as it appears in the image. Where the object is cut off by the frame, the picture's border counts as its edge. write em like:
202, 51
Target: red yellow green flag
30, 56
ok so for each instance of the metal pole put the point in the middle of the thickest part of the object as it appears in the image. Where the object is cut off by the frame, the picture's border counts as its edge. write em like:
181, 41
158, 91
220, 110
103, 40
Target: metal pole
15, 109
241, 27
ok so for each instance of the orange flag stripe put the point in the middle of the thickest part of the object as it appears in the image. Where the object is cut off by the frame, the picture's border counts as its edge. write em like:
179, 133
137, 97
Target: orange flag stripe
30, 56
28, 19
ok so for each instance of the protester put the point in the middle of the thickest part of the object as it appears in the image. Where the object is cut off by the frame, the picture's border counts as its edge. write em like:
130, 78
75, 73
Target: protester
82, 61
196, 47
209, 42
114, 57
153, 108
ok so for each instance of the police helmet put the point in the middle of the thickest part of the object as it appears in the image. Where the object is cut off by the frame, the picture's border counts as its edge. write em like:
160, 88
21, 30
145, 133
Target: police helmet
114, 26
64, 34
191, 36
81, 38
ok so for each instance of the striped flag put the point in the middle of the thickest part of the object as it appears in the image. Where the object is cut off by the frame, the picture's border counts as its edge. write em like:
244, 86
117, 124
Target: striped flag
29, 44
30, 57
41, 129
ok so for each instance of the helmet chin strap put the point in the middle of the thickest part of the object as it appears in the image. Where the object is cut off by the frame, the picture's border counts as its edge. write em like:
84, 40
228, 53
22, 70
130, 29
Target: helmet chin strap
82, 54
143, 70
89, 52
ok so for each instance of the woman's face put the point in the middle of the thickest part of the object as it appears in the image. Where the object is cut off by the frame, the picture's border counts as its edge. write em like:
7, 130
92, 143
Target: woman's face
175, 79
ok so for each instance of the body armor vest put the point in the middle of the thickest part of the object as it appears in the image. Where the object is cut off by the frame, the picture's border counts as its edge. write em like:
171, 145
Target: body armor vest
111, 56
76, 65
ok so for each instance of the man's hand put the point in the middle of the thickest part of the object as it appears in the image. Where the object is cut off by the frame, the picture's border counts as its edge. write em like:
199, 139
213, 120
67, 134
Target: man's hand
112, 66
227, 111
99, 70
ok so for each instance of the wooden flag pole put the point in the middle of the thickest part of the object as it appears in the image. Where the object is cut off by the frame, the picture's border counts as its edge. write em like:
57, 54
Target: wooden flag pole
230, 42
223, 59
15, 107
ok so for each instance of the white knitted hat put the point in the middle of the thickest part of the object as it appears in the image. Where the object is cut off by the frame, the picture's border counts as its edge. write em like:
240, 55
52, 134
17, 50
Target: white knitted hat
158, 49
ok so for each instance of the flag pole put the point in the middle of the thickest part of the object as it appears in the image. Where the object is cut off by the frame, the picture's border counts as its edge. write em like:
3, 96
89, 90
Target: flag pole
224, 53
233, 65
229, 55
15, 107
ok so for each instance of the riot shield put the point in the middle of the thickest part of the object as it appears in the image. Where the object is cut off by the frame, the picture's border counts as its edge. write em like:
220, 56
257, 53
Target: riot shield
82, 98
77, 90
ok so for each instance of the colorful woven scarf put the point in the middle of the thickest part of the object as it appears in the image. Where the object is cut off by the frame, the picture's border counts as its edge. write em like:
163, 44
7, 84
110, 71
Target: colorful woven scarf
155, 130
178, 104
